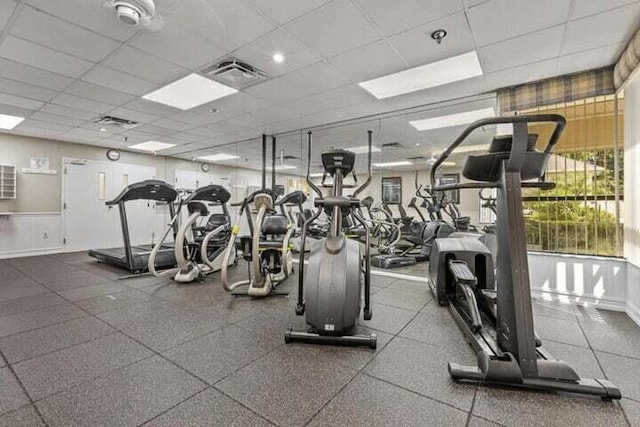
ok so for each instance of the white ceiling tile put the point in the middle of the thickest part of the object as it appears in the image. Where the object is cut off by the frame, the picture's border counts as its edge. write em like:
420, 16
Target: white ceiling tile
61, 110
35, 76
260, 53
6, 9
98, 93
402, 15
28, 53
25, 90
523, 74
239, 102
418, 48
228, 24
145, 66
185, 137
178, 45
36, 132
498, 20
334, 28
273, 114
62, 36
12, 110
345, 96
582, 8
308, 104
57, 127
87, 14
151, 107
56, 119
315, 78
117, 80
18, 101
283, 11
81, 103
156, 130
194, 118
370, 61
614, 26
588, 59
108, 129
172, 124
522, 50
205, 132
278, 89
85, 133
136, 116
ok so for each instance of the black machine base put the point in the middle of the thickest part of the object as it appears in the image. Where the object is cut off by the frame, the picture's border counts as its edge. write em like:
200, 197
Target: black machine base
270, 294
506, 373
392, 261
370, 340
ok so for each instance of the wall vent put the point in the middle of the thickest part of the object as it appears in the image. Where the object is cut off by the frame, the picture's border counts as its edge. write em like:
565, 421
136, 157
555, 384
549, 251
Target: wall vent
116, 121
235, 73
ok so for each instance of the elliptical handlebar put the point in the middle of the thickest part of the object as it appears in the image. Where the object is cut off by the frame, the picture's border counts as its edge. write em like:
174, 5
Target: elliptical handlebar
517, 121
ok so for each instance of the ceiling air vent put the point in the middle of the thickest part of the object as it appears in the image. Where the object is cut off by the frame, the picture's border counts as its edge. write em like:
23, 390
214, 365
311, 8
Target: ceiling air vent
417, 158
115, 121
291, 158
235, 73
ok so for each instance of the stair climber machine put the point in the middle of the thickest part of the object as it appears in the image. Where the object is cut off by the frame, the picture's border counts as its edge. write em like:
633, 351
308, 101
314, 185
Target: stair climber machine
495, 312
267, 249
199, 250
330, 286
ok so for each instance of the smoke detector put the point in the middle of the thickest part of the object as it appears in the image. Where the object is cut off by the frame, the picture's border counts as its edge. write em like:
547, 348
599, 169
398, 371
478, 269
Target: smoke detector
132, 12
235, 73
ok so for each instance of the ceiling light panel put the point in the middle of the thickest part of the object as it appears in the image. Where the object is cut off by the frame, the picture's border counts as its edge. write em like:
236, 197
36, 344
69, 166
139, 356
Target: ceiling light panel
452, 119
283, 167
393, 164
218, 157
9, 122
438, 73
152, 146
363, 149
189, 92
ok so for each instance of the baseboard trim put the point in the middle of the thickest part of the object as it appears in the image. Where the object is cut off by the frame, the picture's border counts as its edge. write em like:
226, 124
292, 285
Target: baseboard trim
633, 312
30, 252
611, 304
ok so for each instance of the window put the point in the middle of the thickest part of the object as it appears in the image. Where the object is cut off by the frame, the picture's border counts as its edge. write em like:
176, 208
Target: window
582, 215
392, 191
102, 186
486, 199
449, 195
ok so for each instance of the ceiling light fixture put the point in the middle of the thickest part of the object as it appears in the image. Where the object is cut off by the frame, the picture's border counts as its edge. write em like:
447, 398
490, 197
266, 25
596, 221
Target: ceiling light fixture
189, 92
438, 73
362, 149
393, 164
452, 119
316, 175
278, 57
283, 167
218, 157
152, 146
9, 122
103, 129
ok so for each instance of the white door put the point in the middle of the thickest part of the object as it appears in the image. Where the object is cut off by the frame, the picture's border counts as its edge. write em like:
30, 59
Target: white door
141, 214
88, 223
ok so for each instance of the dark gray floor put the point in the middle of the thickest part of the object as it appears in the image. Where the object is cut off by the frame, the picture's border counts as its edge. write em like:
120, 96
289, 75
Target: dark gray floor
82, 348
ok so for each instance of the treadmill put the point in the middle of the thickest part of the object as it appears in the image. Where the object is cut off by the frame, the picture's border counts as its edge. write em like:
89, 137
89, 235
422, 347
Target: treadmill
135, 258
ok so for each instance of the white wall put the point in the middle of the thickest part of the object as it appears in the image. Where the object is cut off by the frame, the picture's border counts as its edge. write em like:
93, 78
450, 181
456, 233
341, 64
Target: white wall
632, 194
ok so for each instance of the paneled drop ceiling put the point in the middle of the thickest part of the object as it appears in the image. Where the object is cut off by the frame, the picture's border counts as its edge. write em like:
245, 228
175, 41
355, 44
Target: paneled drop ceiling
65, 62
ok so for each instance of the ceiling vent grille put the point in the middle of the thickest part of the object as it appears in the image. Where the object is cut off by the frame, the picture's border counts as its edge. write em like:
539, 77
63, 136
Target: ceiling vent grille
291, 158
417, 158
392, 145
116, 121
235, 73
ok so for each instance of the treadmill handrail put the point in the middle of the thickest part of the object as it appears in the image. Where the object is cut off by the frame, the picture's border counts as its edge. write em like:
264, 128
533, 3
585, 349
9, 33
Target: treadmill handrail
559, 120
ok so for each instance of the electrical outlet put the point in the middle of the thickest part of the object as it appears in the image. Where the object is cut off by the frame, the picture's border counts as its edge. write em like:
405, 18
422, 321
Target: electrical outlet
45, 234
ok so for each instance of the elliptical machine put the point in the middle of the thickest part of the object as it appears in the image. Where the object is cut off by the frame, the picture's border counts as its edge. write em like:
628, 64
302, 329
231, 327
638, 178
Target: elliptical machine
198, 249
496, 315
267, 250
332, 280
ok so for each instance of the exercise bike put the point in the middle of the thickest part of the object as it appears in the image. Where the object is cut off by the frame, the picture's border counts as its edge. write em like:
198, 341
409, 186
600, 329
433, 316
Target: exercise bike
330, 286
198, 249
495, 313
267, 249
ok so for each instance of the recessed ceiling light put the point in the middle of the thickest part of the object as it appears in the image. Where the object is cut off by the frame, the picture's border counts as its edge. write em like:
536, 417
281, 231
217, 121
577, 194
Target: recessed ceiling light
9, 122
438, 73
452, 119
218, 157
103, 129
152, 146
189, 92
417, 144
363, 149
278, 57
283, 167
393, 164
